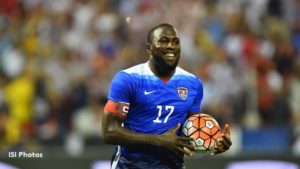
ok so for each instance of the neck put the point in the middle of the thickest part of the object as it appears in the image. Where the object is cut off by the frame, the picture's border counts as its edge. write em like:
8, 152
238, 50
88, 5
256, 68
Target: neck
160, 71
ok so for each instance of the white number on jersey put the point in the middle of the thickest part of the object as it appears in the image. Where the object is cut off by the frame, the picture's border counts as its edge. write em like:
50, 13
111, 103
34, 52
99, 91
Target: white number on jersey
170, 110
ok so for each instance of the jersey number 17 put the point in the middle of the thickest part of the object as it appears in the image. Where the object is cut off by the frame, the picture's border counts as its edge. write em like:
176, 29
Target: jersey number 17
168, 109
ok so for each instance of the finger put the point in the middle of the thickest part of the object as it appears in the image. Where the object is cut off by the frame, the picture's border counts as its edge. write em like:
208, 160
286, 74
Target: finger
219, 144
184, 145
227, 131
220, 148
190, 147
174, 129
188, 151
225, 142
216, 151
182, 150
185, 138
222, 145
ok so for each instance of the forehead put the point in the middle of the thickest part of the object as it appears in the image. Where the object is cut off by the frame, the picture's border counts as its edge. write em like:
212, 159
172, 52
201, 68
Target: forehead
165, 32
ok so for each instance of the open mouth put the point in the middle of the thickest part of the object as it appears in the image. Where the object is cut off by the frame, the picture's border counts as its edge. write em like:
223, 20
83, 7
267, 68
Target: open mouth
170, 54
170, 57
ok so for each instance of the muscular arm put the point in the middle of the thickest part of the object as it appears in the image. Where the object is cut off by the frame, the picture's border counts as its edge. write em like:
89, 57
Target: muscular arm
114, 133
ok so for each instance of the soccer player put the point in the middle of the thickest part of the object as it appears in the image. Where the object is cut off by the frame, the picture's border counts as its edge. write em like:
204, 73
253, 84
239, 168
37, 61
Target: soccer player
148, 103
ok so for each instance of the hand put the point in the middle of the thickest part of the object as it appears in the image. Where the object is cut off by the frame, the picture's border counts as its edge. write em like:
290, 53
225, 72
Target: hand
179, 145
224, 142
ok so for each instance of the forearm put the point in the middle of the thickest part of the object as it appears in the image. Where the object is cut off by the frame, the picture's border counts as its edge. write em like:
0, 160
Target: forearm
114, 134
123, 136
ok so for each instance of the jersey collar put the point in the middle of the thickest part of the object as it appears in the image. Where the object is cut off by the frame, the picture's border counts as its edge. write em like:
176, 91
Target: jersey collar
149, 71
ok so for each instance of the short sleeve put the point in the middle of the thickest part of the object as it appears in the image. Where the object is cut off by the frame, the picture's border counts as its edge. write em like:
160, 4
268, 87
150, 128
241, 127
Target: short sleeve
198, 99
121, 88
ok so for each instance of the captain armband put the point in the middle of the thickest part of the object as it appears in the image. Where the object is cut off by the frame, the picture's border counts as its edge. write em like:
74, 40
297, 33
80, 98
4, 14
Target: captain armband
117, 108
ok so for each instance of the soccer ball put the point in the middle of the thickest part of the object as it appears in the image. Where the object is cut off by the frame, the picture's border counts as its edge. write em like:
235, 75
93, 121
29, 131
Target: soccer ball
205, 131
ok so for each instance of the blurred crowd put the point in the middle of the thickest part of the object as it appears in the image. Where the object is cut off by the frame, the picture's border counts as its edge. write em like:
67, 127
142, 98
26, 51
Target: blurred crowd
57, 59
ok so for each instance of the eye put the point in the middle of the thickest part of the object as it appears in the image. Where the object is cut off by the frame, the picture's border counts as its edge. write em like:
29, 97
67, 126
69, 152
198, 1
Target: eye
176, 41
163, 40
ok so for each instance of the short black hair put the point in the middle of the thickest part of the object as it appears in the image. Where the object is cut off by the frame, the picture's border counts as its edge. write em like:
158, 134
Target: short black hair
151, 31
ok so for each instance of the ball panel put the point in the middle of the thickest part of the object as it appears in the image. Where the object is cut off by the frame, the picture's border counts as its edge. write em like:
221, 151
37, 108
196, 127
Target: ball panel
217, 135
204, 135
196, 122
191, 131
185, 131
209, 124
202, 123
200, 150
189, 124
213, 142
193, 117
207, 143
206, 130
193, 143
199, 141
202, 115
214, 130
195, 135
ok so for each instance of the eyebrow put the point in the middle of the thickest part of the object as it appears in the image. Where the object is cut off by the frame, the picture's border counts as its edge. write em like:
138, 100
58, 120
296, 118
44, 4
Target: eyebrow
169, 37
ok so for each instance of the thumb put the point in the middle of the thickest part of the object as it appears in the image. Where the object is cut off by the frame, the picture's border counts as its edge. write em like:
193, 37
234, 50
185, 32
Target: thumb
174, 129
227, 130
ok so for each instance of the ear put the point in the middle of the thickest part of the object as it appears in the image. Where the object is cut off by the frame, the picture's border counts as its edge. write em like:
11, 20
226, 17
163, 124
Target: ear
148, 46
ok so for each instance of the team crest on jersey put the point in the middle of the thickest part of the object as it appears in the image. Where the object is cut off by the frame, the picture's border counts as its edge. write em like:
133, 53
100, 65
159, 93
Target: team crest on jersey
182, 92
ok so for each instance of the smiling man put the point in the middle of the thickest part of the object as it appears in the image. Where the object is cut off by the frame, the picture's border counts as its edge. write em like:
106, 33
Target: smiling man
163, 46
147, 104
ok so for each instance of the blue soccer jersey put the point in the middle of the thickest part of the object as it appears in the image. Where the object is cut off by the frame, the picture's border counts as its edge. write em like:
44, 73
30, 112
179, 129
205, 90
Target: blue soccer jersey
154, 106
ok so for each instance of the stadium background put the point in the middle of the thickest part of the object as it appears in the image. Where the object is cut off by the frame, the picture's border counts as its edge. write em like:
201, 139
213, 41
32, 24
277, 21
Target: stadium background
57, 58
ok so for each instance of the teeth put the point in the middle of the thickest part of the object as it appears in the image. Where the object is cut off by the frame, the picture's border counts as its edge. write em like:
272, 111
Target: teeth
170, 54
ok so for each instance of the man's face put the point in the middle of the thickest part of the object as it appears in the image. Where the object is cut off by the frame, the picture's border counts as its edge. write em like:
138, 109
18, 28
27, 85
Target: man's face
165, 48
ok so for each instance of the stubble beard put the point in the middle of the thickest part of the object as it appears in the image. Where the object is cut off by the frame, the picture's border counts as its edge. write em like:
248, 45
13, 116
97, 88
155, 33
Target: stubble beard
162, 67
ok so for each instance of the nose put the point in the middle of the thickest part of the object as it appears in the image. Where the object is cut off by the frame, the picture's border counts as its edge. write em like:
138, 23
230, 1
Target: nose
171, 45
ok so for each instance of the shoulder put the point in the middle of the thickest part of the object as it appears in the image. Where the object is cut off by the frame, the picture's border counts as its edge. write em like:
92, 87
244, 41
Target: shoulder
130, 74
185, 74
135, 70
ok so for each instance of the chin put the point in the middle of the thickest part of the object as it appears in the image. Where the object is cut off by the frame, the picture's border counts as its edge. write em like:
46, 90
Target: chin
164, 65
171, 67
